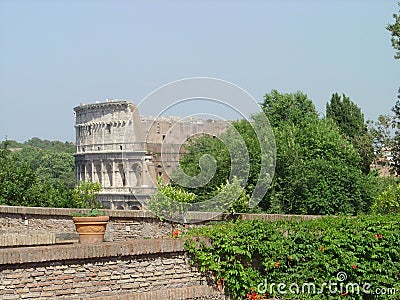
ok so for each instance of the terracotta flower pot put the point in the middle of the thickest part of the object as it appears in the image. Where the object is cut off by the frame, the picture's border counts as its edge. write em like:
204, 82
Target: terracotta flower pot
91, 229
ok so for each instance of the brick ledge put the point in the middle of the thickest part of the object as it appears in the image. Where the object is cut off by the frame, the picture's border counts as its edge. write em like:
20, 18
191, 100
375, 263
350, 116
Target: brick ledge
82, 251
191, 292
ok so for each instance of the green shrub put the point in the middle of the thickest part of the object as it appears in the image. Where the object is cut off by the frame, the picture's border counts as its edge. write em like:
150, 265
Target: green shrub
170, 202
86, 193
248, 254
388, 201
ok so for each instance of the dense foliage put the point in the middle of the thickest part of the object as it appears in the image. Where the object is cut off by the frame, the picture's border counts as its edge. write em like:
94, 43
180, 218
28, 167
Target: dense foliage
295, 108
256, 256
395, 31
55, 146
194, 150
388, 201
58, 168
243, 157
317, 172
350, 120
173, 202
170, 202
34, 177
321, 165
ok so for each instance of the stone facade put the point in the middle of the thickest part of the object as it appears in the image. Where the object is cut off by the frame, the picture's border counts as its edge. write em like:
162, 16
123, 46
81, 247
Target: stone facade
105, 155
166, 135
126, 152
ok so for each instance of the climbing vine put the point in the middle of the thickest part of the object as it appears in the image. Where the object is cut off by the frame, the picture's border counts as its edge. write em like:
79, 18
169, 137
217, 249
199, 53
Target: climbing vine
251, 258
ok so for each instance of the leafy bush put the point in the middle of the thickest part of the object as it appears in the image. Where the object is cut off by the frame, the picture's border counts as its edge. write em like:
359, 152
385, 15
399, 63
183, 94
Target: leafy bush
232, 196
170, 202
253, 257
388, 201
173, 202
85, 196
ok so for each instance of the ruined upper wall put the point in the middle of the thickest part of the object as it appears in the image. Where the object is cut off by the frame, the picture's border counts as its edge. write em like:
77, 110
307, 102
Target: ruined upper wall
176, 130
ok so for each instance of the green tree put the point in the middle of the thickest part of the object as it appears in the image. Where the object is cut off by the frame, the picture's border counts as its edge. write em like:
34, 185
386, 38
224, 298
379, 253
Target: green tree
381, 133
350, 120
242, 160
294, 108
317, 172
21, 185
16, 180
395, 31
55, 146
233, 196
215, 153
56, 167
14, 144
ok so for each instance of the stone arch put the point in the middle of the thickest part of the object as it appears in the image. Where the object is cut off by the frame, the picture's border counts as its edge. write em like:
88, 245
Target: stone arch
89, 171
109, 172
98, 172
136, 175
122, 179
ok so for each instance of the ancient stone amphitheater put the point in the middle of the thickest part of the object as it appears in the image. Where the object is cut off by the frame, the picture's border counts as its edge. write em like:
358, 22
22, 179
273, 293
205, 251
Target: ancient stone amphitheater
126, 152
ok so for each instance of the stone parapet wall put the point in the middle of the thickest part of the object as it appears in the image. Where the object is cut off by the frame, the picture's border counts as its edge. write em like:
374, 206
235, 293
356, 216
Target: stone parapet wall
124, 225
137, 262
125, 270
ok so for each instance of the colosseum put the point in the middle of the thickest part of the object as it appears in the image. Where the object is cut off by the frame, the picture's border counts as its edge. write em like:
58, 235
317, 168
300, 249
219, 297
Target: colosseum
126, 152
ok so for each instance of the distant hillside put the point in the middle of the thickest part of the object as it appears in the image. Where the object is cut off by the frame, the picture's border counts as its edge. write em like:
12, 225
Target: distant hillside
55, 146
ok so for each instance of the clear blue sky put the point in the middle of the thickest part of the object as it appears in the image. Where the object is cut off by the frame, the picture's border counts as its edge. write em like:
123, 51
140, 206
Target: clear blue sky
56, 54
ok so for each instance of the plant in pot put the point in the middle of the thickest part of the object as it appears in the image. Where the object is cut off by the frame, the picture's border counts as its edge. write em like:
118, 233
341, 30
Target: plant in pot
91, 226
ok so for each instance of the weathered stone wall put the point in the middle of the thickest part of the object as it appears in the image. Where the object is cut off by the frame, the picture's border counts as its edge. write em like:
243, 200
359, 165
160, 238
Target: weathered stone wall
107, 271
166, 135
124, 225
139, 261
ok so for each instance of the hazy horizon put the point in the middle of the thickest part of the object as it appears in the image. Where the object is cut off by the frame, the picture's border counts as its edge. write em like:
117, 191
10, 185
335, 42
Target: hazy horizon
57, 54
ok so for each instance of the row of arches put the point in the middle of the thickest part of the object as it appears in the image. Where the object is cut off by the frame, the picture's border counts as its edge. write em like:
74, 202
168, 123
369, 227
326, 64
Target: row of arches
110, 173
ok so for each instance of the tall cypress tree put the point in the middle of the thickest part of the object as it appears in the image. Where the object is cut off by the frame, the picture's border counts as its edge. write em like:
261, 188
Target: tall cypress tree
395, 149
395, 31
350, 120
